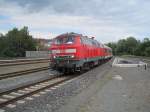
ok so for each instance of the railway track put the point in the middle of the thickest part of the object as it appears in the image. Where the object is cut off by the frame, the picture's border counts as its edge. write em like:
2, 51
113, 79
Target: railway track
144, 59
147, 60
11, 97
23, 72
15, 95
22, 61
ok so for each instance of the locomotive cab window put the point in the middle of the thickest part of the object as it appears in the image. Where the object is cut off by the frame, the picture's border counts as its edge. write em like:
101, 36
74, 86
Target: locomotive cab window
69, 40
64, 40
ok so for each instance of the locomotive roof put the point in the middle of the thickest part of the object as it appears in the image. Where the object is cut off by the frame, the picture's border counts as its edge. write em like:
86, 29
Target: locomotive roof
76, 34
69, 34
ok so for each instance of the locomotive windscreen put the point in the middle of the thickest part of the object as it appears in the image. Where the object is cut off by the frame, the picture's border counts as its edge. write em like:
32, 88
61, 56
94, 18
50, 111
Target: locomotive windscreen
64, 40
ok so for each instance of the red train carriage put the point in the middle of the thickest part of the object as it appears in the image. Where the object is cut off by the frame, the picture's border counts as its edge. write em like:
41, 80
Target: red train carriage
108, 52
74, 52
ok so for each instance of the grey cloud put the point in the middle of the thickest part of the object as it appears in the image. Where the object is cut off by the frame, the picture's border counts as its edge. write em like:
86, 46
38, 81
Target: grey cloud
31, 5
58, 6
116, 12
77, 7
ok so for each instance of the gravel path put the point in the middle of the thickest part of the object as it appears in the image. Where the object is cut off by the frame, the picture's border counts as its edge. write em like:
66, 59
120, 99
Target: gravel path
121, 90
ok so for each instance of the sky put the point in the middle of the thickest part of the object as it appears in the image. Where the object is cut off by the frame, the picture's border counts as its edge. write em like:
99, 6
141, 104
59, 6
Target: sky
106, 20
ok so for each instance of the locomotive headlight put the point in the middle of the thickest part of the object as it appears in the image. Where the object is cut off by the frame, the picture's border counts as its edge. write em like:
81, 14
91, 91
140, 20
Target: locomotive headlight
72, 56
70, 50
54, 57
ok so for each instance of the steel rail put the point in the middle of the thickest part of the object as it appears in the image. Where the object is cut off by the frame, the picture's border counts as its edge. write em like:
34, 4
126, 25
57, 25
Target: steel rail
15, 99
23, 63
23, 72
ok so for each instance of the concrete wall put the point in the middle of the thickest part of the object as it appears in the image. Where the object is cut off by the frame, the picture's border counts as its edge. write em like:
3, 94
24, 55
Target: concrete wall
37, 54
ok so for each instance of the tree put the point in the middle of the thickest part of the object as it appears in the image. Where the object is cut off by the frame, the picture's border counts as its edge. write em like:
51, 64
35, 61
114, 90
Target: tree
16, 42
147, 51
121, 47
113, 46
138, 49
131, 44
3, 44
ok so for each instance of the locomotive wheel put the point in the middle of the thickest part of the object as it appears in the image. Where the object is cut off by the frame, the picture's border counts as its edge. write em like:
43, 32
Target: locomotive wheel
86, 66
99, 62
91, 65
81, 70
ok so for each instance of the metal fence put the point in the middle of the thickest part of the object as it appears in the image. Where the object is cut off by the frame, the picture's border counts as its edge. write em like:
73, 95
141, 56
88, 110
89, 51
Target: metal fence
37, 54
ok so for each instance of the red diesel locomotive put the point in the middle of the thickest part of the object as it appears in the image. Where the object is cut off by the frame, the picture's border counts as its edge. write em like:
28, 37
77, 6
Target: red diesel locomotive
72, 52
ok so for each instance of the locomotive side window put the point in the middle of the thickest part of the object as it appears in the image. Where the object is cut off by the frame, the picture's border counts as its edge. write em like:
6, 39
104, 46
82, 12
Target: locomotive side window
101, 45
97, 43
88, 41
105, 50
83, 40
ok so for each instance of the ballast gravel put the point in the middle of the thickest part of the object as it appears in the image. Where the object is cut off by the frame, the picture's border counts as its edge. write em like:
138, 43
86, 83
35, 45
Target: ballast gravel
53, 100
9, 83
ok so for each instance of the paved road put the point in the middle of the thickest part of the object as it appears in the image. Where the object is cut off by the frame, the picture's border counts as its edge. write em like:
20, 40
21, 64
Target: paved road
121, 90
